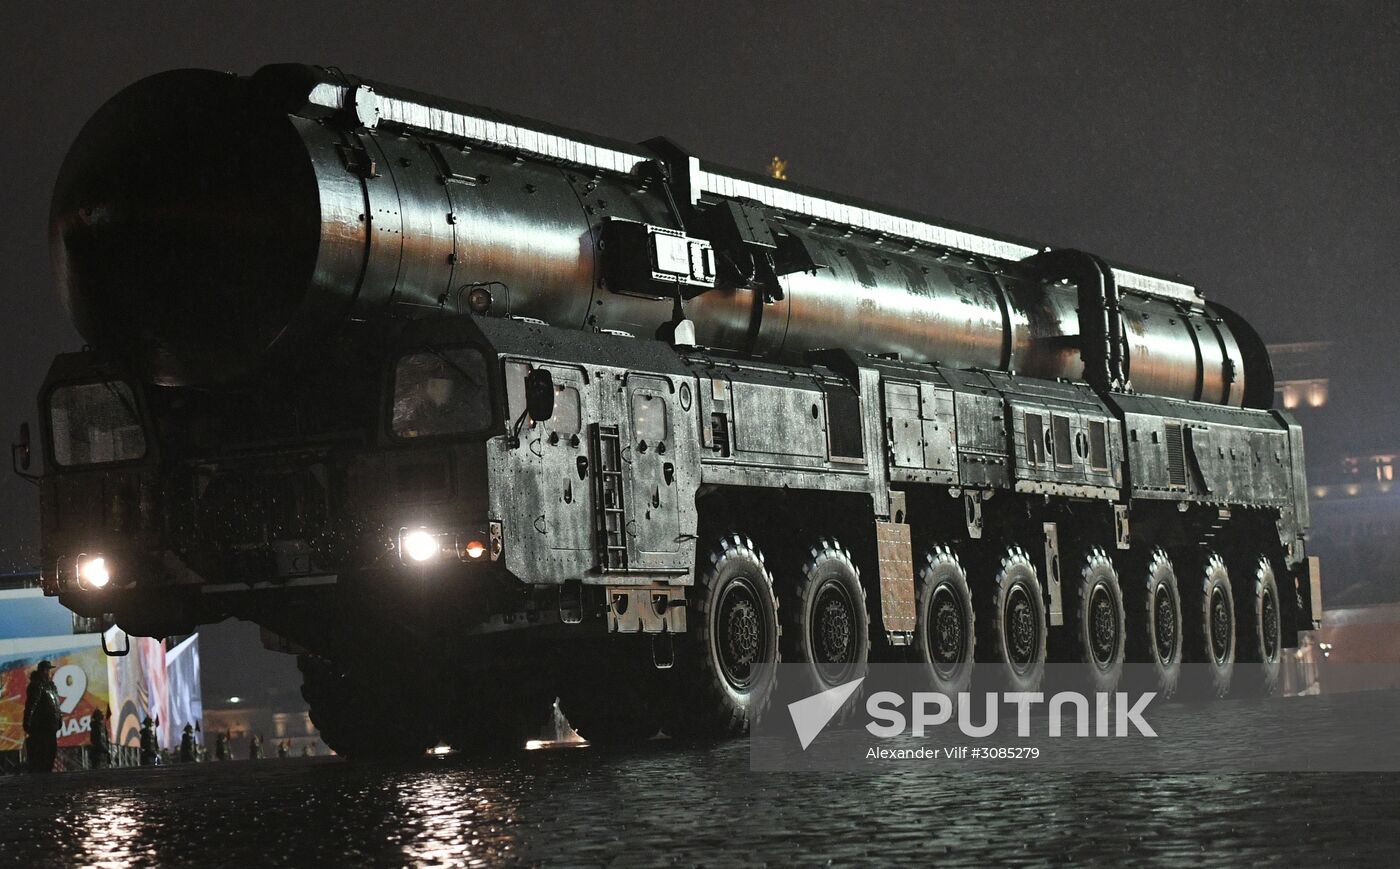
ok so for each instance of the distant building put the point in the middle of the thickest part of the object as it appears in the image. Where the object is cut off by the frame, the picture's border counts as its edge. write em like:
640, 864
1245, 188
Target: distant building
1300, 374
241, 721
254, 690
1377, 467
1353, 492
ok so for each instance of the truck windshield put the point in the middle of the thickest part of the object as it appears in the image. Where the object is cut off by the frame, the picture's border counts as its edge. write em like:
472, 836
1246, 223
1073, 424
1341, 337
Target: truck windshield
440, 392
95, 423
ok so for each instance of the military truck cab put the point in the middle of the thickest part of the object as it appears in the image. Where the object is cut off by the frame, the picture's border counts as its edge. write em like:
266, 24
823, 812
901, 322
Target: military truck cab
443, 476
98, 479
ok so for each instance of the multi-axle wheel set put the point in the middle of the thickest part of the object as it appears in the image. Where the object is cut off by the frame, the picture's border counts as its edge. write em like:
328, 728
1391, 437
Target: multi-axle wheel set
1181, 616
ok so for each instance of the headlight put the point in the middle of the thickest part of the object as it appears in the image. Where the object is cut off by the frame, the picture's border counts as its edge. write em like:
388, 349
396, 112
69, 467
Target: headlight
420, 546
93, 572
424, 545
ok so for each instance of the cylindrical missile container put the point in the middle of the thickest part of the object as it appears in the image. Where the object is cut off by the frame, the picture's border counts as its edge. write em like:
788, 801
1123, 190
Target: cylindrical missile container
206, 225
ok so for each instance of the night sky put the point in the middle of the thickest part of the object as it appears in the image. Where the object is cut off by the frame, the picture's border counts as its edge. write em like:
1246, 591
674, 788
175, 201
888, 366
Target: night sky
1250, 147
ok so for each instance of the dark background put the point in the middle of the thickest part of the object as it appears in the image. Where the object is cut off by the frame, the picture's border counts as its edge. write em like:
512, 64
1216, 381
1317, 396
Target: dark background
1248, 146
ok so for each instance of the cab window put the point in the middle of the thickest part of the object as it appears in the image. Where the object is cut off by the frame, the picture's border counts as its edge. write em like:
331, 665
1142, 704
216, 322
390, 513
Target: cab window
1063, 440
1035, 439
95, 423
440, 392
649, 417
566, 419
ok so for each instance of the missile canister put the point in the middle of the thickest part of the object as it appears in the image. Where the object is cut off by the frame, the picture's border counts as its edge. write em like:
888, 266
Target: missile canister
205, 225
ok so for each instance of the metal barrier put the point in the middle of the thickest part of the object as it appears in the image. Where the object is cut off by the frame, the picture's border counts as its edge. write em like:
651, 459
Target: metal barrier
72, 759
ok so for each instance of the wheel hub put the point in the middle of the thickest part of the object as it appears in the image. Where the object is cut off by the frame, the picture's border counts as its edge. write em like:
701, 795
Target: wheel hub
833, 641
1269, 619
741, 636
1164, 625
1219, 625
949, 629
1021, 628
1103, 622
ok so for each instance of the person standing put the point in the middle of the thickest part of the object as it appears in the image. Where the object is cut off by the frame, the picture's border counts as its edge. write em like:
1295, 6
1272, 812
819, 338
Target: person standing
42, 719
150, 748
284, 749
1308, 669
99, 740
255, 747
187, 750
223, 750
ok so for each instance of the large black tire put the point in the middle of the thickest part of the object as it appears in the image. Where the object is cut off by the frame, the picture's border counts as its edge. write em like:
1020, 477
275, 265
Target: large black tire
1096, 635
945, 629
1011, 627
358, 719
1260, 609
1155, 622
609, 691
721, 675
826, 626
1210, 627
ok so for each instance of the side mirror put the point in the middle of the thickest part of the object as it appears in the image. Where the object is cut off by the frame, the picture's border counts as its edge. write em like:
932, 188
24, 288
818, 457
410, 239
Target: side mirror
19, 452
539, 394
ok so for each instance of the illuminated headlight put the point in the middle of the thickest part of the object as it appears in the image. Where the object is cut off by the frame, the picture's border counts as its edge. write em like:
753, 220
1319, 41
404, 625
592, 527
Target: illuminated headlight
428, 545
420, 546
93, 571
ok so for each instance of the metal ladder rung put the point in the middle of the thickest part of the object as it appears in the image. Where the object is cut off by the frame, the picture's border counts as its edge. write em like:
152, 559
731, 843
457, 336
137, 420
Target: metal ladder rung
610, 528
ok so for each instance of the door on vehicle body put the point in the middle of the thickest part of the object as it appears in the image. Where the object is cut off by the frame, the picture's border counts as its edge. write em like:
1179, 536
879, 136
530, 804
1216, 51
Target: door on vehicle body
650, 465
549, 491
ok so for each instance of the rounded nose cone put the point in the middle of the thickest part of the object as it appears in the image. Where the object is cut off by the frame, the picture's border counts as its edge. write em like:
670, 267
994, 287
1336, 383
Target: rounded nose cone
185, 226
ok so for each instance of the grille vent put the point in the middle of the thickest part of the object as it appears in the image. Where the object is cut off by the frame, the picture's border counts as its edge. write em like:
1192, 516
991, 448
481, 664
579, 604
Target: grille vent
1176, 455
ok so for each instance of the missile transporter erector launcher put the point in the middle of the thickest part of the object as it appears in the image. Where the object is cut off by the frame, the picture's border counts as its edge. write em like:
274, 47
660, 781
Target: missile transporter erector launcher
409, 381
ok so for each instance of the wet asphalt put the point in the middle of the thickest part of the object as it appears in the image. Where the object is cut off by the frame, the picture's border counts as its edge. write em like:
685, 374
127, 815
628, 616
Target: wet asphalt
668, 804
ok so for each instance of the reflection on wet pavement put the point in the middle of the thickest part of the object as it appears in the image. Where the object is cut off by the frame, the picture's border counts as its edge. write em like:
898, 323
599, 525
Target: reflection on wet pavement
665, 803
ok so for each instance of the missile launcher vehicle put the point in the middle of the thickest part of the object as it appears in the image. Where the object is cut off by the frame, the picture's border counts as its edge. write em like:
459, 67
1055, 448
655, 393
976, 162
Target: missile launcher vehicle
471, 412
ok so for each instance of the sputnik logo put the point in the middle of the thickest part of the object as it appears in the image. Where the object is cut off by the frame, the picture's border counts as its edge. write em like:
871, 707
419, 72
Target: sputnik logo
811, 715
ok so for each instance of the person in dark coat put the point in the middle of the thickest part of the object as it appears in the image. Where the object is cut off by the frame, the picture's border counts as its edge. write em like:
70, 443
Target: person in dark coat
99, 740
42, 719
150, 748
187, 745
255, 747
222, 748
